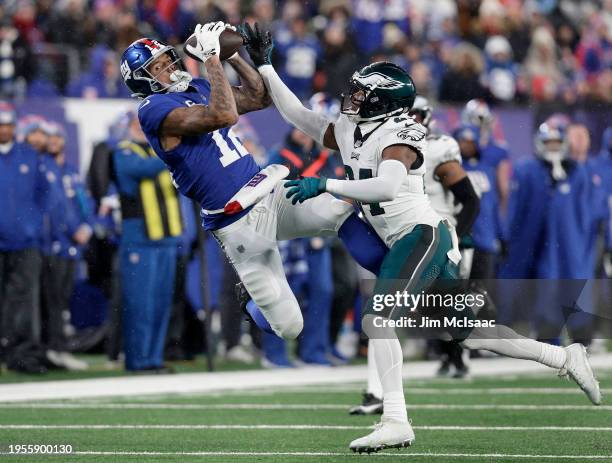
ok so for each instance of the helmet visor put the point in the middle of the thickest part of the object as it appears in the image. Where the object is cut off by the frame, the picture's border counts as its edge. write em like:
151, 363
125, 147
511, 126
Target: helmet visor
352, 101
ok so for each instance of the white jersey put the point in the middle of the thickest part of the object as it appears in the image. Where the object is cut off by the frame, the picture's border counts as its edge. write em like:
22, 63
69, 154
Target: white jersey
362, 156
440, 149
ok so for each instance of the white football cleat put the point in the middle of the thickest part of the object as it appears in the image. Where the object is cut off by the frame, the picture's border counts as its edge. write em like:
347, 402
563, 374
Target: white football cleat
578, 368
387, 434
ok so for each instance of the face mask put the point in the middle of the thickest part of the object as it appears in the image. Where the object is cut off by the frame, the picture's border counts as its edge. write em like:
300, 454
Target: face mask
181, 81
555, 158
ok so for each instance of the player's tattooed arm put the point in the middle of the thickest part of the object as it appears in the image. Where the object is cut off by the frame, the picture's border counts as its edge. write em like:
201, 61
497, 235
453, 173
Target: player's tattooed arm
252, 93
198, 119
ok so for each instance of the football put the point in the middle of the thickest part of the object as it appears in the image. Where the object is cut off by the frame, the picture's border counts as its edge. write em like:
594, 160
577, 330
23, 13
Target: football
230, 42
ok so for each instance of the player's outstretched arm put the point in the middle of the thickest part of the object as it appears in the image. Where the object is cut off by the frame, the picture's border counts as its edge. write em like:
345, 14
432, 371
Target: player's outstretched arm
198, 119
221, 110
252, 94
259, 45
397, 160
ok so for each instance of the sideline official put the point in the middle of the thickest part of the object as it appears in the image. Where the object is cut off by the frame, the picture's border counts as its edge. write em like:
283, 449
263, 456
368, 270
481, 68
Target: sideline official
151, 225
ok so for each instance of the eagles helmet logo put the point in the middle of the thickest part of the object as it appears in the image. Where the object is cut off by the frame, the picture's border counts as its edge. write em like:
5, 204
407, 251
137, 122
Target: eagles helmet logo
378, 80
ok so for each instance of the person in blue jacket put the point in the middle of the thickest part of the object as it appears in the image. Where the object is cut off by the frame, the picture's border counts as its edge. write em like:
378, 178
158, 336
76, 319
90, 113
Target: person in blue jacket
151, 229
494, 153
26, 191
602, 170
102, 79
552, 217
69, 229
486, 230
299, 53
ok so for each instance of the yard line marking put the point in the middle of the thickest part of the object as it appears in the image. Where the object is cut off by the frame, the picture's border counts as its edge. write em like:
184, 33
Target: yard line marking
281, 406
297, 427
351, 390
454, 391
417, 390
346, 454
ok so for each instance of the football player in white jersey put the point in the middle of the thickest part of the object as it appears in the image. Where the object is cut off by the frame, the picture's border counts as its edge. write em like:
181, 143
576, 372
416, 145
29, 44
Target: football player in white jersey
450, 190
447, 186
383, 150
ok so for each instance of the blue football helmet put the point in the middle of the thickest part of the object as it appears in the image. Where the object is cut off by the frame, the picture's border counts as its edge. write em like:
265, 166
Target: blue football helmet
139, 55
477, 112
554, 129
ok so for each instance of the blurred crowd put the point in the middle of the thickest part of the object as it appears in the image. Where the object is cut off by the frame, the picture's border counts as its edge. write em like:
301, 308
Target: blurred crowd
516, 51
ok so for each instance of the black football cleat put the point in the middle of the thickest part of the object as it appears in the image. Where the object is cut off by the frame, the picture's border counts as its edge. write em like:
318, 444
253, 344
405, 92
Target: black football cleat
370, 405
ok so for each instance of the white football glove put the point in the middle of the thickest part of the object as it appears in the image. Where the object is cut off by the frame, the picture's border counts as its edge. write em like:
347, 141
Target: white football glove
207, 36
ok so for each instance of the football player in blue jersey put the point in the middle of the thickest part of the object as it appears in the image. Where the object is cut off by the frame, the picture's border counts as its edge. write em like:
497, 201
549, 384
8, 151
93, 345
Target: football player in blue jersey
494, 153
188, 123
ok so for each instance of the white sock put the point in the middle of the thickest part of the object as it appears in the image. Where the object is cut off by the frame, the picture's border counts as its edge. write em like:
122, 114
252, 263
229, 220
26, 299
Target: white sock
388, 355
505, 341
374, 386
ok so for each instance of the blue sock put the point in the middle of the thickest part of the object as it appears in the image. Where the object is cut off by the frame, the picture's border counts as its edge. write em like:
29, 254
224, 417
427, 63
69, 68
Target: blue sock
363, 243
258, 317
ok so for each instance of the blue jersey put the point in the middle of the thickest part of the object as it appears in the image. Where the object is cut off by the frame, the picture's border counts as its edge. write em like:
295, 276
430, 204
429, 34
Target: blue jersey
486, 230
29, 188
209, 168
551, 225
494, 153
74, 210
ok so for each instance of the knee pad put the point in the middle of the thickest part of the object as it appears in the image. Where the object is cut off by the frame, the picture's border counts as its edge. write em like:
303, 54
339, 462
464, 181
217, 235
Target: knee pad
262, 285
292, 328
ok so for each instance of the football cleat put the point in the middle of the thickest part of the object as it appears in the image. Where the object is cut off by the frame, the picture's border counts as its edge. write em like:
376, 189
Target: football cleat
370, 405
462, 372
444, 369
386, 435
243, 298
252, 312
578, 368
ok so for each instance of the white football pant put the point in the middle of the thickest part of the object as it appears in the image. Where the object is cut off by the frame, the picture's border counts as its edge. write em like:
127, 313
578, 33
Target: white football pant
250, 245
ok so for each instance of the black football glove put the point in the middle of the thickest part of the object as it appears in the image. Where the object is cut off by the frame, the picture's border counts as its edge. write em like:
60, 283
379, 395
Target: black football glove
258, 43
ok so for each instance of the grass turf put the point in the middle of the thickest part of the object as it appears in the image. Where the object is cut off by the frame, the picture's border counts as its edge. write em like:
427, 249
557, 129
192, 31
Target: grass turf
330, 445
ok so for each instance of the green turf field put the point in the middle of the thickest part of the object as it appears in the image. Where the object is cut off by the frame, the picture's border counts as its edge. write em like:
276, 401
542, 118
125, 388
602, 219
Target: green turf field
521, 418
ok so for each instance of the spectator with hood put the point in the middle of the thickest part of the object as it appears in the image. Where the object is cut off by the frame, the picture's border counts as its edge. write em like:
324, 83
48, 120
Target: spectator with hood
103, 79
501, 74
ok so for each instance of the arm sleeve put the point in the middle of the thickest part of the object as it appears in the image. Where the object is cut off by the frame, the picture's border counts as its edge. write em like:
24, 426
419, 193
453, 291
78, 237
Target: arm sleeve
291, 108
464, 192
383, 187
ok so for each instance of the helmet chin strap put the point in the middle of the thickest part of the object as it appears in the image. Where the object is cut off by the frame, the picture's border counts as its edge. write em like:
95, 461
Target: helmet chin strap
181, 81
356, 118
